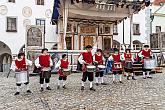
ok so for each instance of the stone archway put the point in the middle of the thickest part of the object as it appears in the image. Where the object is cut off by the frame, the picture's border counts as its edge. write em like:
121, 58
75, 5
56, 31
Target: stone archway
137, 45
116, 44
22, 49
5, 57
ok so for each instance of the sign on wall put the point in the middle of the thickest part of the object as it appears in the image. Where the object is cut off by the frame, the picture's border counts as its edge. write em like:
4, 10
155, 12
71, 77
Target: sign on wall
34, 37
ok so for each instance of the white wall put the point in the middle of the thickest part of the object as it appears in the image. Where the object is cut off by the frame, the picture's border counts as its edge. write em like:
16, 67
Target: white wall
15, 40
137, 18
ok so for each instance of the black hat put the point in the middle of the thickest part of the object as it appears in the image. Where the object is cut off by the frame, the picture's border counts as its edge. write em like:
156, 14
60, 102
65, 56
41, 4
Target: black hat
116, 50
64, 55
88, 47
146, 46
99, 50
45, 49
127, 50
21, 54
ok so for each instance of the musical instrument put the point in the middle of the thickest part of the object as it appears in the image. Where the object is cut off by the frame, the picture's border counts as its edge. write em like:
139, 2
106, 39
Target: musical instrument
118, 65
101, 67
128, 64
22, 77
149, 63
66, 72
91, 68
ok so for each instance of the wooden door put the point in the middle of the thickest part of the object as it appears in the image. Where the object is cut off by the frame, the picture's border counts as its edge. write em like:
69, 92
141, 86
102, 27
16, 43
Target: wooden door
107, 43
88, 40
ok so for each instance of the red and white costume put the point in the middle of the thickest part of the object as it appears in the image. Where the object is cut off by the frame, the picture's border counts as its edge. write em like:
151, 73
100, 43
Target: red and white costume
117, 59
62, 64
44, 61
20, 64
99, 59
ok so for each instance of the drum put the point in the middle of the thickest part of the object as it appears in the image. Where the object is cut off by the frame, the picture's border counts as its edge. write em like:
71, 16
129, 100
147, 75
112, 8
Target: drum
91, 68
101, 67
22, 77
128, 64
118, 65
66, 72
149, 63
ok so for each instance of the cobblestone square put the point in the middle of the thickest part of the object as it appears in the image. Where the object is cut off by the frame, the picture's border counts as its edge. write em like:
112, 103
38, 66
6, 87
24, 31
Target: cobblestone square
142, 94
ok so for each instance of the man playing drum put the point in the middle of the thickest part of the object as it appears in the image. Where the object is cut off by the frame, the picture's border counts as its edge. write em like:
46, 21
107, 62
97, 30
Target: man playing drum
99, 60
61, 65
20, 67
128, 63
44, 62
117, 65
146, 53
86, 58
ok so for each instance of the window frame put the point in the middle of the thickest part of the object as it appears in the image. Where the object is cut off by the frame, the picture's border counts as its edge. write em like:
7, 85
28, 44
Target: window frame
115, 32
39, 2
16, 24
156, 29
136, 33
11, 1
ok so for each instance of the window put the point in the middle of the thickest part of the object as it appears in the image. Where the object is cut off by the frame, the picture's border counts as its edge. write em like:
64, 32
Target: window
136, 29
68, 43
158, 29
11, 24
115, 30
12, 1
40, 22
40, 2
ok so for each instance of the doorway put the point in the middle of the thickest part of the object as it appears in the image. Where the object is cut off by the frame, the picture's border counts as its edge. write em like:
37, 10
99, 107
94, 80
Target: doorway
107, 43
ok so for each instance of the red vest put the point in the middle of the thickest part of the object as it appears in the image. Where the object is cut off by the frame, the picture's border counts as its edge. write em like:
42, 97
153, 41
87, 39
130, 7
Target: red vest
44, 60
116, 58
99, 59
128, 56
146, 53
87, 57
20, 64
64, 64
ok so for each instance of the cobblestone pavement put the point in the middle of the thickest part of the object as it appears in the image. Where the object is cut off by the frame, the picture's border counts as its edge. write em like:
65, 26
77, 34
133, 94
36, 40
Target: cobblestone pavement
141, 94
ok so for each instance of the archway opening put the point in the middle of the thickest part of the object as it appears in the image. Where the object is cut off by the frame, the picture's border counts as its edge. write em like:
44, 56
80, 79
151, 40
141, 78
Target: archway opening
137, 45
5, 57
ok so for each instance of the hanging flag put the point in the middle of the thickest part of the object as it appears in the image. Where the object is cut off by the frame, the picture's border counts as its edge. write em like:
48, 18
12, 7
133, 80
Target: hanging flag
55, 15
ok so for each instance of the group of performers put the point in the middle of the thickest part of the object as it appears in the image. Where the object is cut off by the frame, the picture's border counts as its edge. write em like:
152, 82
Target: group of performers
93, 64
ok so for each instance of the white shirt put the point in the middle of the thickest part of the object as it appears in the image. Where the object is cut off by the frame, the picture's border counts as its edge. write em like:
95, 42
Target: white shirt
93, 51
14, 67
37, 62
59, 64
111, 58
102, 59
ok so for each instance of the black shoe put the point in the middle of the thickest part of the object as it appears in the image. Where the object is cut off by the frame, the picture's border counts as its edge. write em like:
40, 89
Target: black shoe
28, 91
149, 77
42, 89
82, 87
58, 87
92, 89
48, 88
64, 87
97, 84
133, 78
144, 77
121, 82
17, 93
103, 84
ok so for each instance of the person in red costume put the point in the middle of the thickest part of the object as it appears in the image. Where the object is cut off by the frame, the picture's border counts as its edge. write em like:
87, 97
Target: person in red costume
20, 67
44, 62
62, 64
86, 58
146, 53
99, 60
116, 58
128, 57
